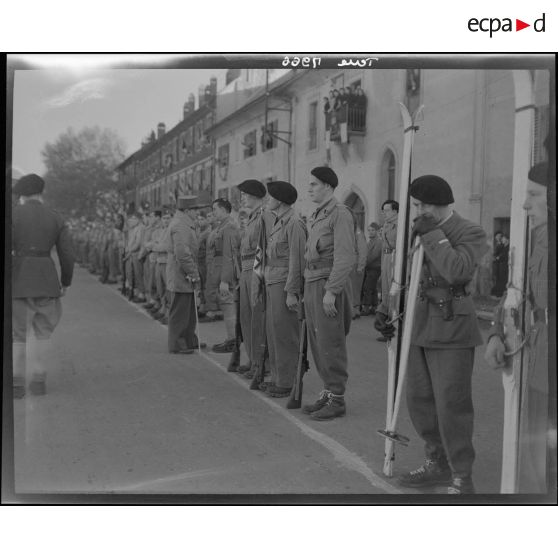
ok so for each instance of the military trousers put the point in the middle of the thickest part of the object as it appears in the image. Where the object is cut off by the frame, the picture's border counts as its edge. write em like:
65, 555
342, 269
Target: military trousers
327, 335
370, 287
252, 318
441, 406
182, 322
282, 330
138, 273
357, 278
161, 283
114, 264
211, 294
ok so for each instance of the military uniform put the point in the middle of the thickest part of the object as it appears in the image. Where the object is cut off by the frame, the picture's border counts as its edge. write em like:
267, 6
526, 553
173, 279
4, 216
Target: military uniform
161, 247
36, 229
330, 258
252, 317
222, 247
388, 234
534, 413
284, 274
444, 335
182, 274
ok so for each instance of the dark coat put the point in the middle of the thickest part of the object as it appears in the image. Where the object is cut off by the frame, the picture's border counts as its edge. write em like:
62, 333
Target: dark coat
182, 256
451, 253
36, 229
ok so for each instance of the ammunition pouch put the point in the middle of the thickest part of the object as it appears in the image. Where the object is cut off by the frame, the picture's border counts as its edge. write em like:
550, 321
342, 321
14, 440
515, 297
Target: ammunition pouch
443, 297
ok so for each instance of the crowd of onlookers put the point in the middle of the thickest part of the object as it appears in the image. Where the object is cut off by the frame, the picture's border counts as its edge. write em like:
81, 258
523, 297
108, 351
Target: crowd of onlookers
346, 105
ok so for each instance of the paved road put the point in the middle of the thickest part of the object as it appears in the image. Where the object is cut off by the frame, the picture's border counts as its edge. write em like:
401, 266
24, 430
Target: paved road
124, 416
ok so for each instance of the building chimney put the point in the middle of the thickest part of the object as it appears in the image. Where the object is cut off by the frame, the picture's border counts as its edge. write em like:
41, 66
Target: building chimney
213, 86
161, 129
192, 102
201, 96
185, 110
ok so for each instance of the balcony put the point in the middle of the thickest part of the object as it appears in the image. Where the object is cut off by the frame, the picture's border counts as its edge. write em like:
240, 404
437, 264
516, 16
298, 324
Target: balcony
349, 118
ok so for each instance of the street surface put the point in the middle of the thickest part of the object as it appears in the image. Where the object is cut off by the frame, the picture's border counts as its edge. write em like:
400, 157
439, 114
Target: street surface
123, 416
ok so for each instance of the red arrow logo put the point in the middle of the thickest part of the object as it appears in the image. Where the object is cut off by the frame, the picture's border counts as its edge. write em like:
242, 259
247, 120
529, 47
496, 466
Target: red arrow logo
519, 25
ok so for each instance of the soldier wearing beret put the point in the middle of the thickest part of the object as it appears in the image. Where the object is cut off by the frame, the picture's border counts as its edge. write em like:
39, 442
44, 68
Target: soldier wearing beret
223, 247
330, 258
284, 281
445, 333
532, 476
36, 289
372, 270
182, 278
252, 317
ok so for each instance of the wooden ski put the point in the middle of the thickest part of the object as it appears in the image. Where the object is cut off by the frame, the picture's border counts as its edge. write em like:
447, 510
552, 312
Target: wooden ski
514, 306
396, 301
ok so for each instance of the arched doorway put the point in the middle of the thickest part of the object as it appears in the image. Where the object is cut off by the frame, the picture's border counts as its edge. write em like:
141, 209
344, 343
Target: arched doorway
387, 176
356, 205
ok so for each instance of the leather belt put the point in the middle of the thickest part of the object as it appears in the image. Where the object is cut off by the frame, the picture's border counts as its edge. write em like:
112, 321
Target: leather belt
387, 250
320, 264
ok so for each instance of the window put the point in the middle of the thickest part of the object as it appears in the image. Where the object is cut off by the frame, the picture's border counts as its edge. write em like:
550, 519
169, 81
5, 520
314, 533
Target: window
223, 155
269, 137
249, 144
313, 125
388, 175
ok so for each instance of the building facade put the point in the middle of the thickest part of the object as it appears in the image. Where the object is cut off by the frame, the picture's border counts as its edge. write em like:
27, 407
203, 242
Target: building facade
175, 162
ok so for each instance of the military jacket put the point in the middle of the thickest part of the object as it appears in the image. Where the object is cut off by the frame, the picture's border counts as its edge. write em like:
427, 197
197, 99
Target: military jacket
36, 229
181, 262
284, 260
161, 245
451, 254
251, 236
223, 245
360, 250
330, 248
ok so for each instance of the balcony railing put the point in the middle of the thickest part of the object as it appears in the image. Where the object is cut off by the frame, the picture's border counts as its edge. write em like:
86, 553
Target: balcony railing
351, 118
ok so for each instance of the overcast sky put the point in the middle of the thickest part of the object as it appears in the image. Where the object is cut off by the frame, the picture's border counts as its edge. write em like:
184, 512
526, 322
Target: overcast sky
132, 102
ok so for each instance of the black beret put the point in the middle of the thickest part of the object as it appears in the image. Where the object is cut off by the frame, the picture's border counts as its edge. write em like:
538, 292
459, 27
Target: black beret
539, 174
325, 174
282, 191
431, 189
253, 187
29, 185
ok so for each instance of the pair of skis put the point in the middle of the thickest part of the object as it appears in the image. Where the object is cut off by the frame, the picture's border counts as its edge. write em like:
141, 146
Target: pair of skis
398, 346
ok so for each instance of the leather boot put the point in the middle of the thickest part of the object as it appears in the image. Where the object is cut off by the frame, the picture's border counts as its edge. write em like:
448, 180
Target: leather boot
321, 402
335, 407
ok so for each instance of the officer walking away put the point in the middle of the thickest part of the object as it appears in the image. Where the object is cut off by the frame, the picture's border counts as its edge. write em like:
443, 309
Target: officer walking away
36, 289
534, 427
284, 281
182, 278
445, 333
330, 258
372, 271
388, 234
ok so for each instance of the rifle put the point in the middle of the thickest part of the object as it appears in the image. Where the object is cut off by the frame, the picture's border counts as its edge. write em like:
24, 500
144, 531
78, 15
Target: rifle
295, 400
234, 361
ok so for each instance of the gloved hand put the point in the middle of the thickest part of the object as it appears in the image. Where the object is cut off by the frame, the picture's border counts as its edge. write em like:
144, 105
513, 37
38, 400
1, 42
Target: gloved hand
382, 325
424, 224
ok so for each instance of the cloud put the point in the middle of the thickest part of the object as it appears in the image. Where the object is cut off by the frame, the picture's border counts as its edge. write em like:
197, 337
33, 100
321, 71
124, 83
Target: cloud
80, 92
